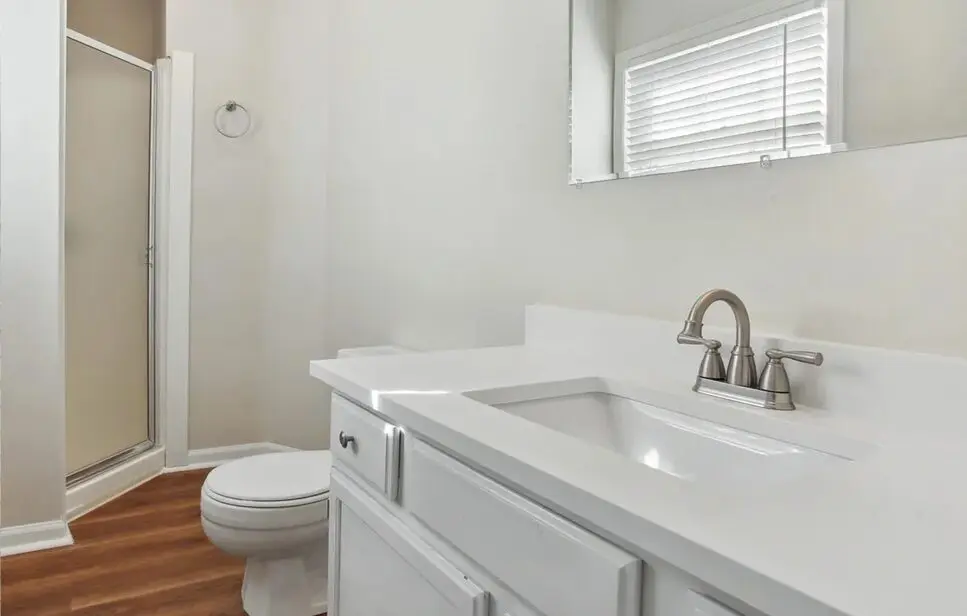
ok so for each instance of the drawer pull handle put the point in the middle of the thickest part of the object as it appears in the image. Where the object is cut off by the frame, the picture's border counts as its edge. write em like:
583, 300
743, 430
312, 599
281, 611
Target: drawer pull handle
345, 440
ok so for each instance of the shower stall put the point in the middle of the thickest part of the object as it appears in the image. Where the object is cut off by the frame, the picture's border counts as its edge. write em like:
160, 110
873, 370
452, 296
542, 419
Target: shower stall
113, 153
108, 243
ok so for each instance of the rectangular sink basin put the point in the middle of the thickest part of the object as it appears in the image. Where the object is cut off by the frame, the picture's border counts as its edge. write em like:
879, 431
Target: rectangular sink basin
680, 445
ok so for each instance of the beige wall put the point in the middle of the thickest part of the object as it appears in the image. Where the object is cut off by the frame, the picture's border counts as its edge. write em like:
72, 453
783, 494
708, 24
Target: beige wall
906, 62
31, 266
448, 210
133, 26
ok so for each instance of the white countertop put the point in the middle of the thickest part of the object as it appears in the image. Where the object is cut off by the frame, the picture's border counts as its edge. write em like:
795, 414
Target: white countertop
882, 536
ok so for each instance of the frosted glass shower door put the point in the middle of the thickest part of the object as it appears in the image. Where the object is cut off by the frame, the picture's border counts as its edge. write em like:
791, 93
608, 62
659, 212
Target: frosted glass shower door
107, 278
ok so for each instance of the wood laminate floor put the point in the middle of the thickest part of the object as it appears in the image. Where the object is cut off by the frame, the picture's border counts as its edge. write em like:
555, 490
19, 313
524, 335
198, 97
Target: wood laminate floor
139, 555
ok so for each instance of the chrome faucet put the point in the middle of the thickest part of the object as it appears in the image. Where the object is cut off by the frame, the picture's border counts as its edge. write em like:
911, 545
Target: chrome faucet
739, 383
741, 370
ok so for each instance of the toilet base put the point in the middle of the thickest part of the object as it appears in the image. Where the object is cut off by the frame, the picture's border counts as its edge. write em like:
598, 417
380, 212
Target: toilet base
295, 586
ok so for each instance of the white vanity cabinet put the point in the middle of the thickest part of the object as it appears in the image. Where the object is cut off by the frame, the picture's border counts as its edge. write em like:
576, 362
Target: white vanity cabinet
413, 530
381, 568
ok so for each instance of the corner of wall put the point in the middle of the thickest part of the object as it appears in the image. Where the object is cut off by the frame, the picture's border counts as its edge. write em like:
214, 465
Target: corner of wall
31, 271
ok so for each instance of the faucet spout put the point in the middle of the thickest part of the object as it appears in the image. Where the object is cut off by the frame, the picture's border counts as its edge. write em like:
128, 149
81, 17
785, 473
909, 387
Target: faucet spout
696, 315
741, 369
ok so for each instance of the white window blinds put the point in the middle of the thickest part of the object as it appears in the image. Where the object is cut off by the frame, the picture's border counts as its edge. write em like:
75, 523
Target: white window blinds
729, 100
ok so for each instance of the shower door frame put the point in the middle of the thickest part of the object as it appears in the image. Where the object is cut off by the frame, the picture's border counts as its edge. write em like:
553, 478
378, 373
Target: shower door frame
90, 471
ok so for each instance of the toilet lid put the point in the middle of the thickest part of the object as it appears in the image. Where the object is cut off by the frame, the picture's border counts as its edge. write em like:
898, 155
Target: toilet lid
273, 477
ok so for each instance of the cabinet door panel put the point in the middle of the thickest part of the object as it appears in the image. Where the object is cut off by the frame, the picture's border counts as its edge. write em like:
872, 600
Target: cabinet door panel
554, 565
703, 606
382, 569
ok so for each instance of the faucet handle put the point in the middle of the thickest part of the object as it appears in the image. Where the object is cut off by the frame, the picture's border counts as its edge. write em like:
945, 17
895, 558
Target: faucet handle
803, 357
711, 345
774, 377
712, 366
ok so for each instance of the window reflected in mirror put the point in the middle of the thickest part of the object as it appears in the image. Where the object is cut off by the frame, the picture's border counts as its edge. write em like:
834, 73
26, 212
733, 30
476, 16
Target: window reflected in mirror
664, 87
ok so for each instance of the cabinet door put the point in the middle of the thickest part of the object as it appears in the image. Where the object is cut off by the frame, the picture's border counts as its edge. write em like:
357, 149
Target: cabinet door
378, 567
703, 606
557, 567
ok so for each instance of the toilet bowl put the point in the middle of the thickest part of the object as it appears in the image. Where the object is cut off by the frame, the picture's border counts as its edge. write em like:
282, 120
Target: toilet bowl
273, 510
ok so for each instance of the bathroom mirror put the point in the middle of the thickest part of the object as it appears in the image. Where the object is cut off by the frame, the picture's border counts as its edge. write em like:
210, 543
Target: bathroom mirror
663, 86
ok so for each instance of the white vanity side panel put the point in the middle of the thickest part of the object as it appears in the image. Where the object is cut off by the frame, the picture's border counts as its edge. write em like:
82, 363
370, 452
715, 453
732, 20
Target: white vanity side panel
374, 455
557, 567
335, 555
385, 570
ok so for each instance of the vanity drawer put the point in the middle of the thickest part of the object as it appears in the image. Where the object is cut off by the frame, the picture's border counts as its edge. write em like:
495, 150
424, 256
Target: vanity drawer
552, 564
366, 445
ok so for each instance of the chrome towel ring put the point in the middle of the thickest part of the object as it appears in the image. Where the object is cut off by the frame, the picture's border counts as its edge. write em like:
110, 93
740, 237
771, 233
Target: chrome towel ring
230, 109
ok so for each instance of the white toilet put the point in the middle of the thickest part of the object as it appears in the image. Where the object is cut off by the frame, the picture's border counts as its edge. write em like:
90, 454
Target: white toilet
273, 509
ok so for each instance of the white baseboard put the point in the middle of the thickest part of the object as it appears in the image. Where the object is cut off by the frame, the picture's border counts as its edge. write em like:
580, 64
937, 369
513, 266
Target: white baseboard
209, 458
34, 537
107, 486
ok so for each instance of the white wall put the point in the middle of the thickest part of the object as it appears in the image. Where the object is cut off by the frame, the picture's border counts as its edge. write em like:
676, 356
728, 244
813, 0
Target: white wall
293, 291
921, 95
256, 315
888, 42
31, 263
447, 209
228, 217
